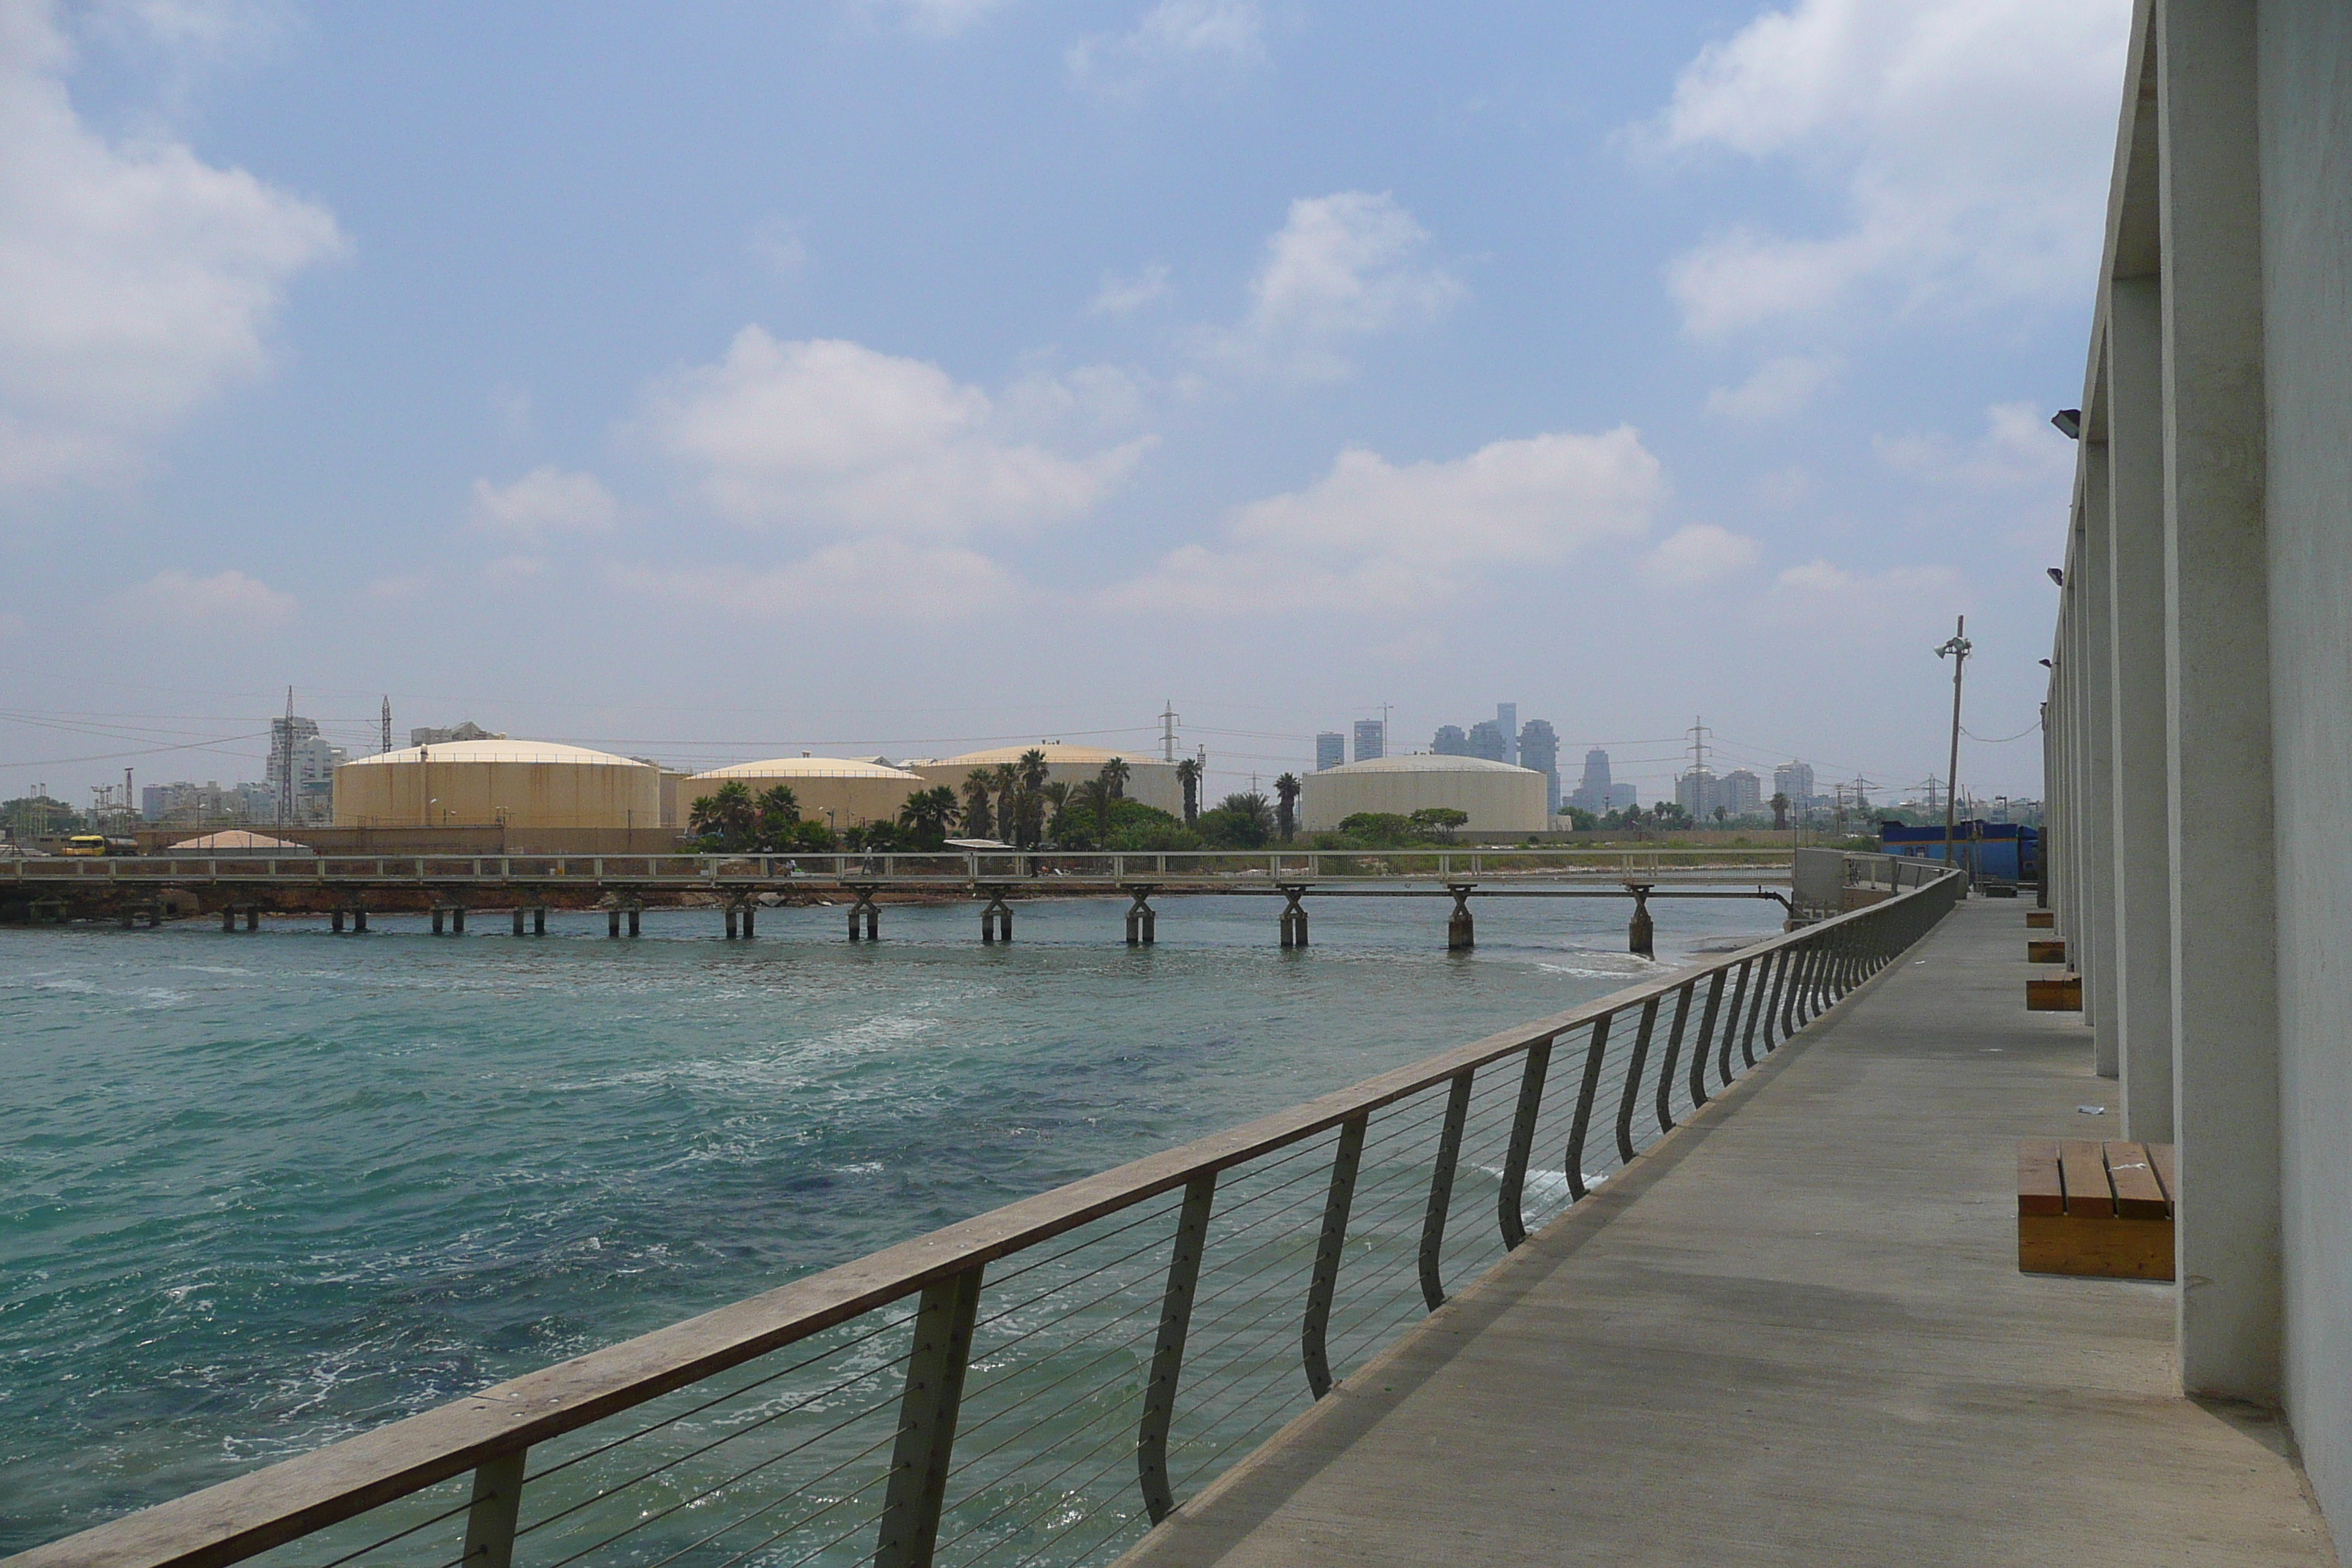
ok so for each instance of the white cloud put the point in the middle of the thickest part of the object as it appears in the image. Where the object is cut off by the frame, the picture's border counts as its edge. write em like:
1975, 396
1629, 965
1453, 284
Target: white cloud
1119, 295
175, 599
1372, 535
1698, 554
543, 501
1828, 602
1779, 388
833, 435
1342, 265
1970, 141
779, 246
1173, 36
136, 281
934, 582
2019, 448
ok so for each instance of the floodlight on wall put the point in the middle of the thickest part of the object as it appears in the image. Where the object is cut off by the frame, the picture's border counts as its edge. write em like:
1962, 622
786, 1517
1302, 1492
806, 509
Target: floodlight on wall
2069, 422
2047, 664
2056, 575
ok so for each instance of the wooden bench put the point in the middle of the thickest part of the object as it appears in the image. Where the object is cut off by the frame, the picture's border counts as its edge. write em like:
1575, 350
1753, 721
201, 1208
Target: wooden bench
2101, 1209
2045, 950
2059, 994
2041, 920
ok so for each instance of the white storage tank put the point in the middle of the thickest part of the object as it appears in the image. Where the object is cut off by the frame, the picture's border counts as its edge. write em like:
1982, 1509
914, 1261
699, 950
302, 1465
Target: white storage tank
1149, 779
1499, 797
839, 794
482, 783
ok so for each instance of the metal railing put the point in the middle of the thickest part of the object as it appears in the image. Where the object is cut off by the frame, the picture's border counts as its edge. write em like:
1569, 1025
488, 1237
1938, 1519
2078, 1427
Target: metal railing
1169, 868
1040, 1383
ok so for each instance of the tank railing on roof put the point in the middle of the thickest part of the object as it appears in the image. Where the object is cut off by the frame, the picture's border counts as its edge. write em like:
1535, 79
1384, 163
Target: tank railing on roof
1041, 1382
1044, 867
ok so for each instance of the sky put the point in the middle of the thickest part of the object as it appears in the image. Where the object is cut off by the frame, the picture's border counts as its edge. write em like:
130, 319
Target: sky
724, 381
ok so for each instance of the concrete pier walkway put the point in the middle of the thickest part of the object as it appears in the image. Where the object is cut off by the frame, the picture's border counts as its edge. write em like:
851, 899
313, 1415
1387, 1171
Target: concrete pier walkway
1795, 1333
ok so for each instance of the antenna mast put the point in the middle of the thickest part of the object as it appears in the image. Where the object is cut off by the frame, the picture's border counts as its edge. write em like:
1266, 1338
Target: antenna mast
1168, 717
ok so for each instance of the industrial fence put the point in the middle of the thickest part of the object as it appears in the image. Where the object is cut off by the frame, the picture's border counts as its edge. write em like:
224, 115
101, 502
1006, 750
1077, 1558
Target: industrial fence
1040, 1383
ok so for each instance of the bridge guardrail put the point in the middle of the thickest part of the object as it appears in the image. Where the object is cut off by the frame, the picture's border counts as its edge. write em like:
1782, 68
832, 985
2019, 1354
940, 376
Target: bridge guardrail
1041, 1382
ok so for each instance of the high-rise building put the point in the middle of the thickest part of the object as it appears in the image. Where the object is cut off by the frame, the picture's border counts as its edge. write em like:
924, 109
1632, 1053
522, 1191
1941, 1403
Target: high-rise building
1743, 793
1371, 738
1698, 792
1794, 780
1330, 750
468, 730
1451, 741
1487, 740
1540, 750
1592, 793
1621, 798
1507, 720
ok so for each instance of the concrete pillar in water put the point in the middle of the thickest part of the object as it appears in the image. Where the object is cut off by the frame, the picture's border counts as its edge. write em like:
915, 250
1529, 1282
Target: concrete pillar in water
751, 913
518, 919
1294, 918
228, 920
1460, 934
1141, 922
1639, 932
359, 921
613, 922
634, 911
539, 920
335, 922
438, 918
456, 919
253, 917
731, 922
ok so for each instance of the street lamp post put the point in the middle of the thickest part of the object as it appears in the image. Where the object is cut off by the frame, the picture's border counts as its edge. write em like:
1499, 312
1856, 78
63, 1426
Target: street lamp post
1957, 647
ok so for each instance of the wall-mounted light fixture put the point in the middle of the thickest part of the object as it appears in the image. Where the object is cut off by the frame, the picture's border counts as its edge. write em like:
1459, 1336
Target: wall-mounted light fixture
2069, 422
2056, 575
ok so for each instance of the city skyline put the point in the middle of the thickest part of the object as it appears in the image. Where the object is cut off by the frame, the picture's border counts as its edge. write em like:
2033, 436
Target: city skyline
992, 337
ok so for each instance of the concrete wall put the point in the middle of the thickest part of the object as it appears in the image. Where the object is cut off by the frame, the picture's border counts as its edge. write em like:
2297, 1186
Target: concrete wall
2213, 529
482, 794
2305, 72
1513, 800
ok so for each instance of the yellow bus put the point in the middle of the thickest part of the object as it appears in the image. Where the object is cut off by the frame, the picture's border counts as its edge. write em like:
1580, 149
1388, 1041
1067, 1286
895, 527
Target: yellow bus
95, 844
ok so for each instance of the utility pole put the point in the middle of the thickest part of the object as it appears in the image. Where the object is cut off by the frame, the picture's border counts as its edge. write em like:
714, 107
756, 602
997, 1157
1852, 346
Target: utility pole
1959, 649
1168, 717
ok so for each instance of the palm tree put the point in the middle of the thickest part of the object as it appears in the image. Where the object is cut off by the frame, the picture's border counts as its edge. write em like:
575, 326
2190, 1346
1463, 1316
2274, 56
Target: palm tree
1056, 796
1006, 780
1780, 813
979, 822
1093, 799
728, 816
1188, 773
778, 812
1115, 775
927, 816
1285, 810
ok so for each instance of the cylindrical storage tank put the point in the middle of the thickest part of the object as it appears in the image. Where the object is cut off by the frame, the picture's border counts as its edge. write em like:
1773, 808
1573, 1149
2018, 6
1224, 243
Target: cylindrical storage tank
1499, 797
1148, 780
482, 783
840, 795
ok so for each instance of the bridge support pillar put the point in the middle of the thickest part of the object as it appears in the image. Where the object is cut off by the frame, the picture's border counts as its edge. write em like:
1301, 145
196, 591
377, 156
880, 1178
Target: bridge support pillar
1142, 923
1639, 932
439, 917
228, 920
750, 917
335, 922
996, 918
359, 920
613, 922
539, 920
634, 910
731, 922
864, 908
253, 917
1294, 918
518, 919
1461, 933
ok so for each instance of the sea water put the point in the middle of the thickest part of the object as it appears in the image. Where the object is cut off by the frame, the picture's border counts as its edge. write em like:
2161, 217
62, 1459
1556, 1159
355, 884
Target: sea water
259, 1192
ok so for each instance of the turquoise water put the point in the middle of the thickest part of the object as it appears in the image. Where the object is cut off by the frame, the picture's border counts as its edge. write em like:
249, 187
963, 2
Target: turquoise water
259, 1192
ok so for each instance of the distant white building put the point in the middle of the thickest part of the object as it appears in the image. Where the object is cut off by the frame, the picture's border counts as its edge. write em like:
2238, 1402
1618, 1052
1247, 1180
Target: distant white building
301, 772
466, 731
1794, 780
1743, 793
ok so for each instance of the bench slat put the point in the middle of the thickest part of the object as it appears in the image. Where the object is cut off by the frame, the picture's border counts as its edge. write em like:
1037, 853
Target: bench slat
2086, 1173
2160, 1155
2039, 1189
2138, 1194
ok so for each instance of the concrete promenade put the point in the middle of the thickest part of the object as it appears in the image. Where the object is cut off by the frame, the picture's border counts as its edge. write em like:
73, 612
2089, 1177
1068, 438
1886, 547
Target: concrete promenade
1794, 1332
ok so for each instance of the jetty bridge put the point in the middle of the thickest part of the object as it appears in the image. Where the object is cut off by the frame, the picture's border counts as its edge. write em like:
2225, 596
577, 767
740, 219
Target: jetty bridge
148, 889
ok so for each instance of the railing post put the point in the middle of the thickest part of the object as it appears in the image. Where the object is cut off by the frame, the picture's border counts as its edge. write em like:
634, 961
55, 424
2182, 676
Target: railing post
927, 1421
1313, 1350
1784, 995
1582, 1124
1168, 1355
1742, 1011
1632, 1086
1706, 1041
491, 1521
1673, 1055
1509, 1211
1441, 1189
1763, 1009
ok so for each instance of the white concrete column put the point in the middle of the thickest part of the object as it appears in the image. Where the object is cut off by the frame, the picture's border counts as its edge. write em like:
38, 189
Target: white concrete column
2098, 960
2225, 1073
2143, 860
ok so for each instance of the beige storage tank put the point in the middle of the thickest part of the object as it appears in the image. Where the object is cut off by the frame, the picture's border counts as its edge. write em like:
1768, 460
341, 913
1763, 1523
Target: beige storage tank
841, 795
1148, 780
482, 783
1499, 797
